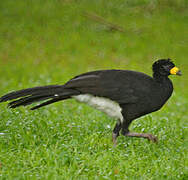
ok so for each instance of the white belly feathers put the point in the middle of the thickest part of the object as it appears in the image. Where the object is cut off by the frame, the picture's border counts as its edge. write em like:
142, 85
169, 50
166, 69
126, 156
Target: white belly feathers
105, 105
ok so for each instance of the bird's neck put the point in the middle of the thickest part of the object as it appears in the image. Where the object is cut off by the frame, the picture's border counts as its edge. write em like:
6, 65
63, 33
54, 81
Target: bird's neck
160, 78
165, 84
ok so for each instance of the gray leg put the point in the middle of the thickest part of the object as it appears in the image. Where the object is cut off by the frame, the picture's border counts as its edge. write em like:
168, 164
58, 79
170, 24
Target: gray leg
142, 135
125, 132
115, 133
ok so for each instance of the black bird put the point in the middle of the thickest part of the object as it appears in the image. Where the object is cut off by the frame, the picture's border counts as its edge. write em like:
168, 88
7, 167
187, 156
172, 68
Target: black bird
122, 94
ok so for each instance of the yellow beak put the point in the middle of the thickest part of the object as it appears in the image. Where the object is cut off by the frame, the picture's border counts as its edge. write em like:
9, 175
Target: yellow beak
175, 71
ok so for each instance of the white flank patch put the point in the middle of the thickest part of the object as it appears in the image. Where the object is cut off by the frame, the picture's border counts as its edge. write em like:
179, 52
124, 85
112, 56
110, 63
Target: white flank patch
105, 105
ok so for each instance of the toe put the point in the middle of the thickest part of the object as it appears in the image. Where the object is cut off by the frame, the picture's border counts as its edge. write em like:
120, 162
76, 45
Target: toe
152, 138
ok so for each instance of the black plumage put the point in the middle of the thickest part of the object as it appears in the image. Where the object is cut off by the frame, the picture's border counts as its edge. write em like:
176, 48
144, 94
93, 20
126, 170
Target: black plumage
134, 92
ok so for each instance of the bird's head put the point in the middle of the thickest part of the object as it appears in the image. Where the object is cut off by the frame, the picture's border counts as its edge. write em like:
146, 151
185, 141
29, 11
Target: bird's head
165, 67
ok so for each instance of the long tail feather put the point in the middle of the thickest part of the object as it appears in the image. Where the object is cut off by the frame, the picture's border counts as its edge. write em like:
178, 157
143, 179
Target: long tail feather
48, 102
30, 91
36, 94
28, 100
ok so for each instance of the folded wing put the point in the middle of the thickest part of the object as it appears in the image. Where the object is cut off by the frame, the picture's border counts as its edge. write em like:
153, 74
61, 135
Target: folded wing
107, 83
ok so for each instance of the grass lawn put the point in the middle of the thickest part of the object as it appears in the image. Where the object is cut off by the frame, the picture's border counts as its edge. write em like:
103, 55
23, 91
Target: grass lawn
49, 42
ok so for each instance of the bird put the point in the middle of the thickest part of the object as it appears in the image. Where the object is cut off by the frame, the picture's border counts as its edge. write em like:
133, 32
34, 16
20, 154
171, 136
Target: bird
124, 95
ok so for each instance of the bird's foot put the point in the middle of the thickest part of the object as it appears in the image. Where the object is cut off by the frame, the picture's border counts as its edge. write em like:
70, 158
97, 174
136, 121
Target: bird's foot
114, 138
150, 137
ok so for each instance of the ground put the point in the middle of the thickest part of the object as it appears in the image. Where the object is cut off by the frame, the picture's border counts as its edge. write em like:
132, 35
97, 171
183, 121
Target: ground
49, 42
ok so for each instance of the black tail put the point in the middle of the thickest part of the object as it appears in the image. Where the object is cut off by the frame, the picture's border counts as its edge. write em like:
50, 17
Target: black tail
28, 96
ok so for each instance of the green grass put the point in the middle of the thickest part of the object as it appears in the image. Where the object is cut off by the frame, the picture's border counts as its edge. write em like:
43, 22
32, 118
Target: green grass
48, 42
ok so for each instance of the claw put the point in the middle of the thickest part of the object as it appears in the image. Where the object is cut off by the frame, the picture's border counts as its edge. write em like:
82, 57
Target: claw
152, 138
114, 139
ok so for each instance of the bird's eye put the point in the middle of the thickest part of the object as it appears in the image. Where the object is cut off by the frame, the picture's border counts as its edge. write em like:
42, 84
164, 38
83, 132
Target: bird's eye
166, 68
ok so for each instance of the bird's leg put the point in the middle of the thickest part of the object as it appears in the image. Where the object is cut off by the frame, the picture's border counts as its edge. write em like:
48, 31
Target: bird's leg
115, 132
125, 132
142, 135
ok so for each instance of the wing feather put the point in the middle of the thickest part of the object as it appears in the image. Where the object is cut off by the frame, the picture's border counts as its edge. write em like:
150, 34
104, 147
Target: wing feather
112, 84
